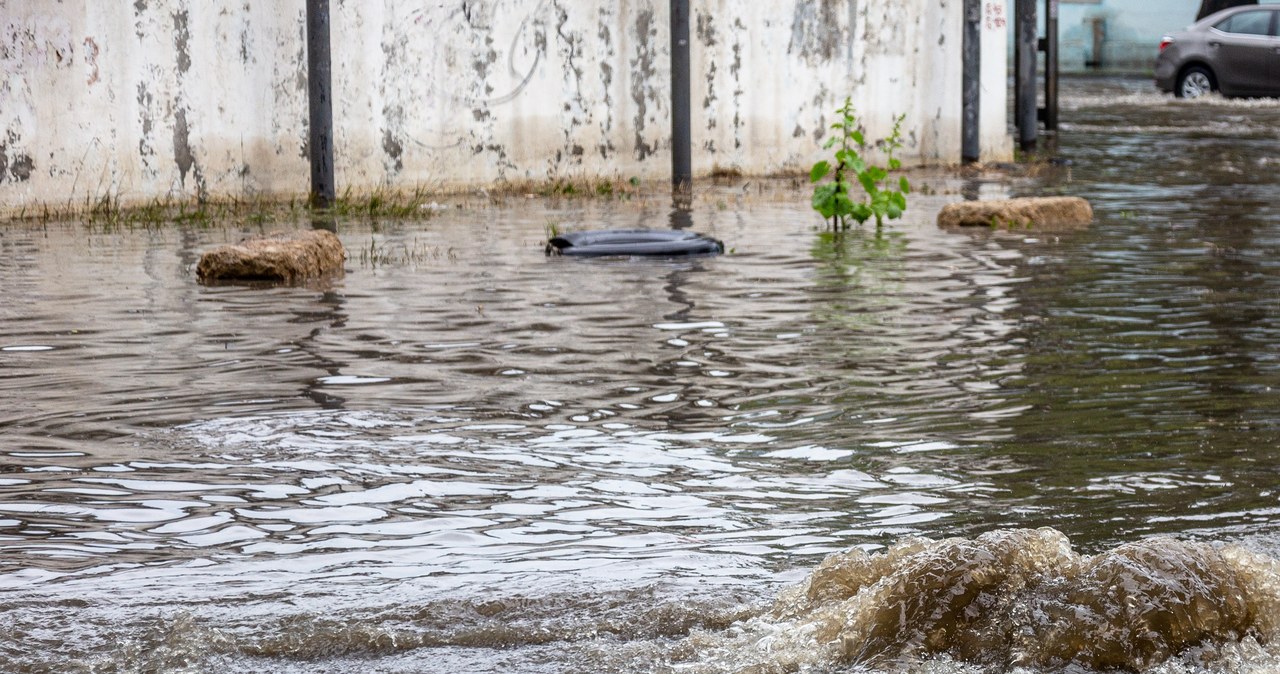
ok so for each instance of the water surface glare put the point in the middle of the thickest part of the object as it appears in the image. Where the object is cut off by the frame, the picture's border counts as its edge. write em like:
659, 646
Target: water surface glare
465, 456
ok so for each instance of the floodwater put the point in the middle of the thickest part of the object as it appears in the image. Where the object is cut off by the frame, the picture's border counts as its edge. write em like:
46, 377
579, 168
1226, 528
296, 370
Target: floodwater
917, 451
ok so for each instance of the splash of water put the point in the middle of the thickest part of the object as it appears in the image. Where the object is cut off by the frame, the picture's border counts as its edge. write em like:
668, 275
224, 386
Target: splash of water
1007, 599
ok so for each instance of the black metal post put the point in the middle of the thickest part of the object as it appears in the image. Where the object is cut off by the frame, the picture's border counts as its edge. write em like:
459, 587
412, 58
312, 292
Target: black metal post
1097, 29
681, 139
1017, 70
320, 100
1026, 33
971, 82
1051, 66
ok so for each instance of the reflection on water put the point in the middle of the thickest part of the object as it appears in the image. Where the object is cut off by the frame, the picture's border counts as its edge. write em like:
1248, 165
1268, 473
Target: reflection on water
470, 457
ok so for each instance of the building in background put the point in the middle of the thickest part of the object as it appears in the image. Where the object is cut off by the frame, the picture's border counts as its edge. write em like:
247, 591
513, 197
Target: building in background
1117, 35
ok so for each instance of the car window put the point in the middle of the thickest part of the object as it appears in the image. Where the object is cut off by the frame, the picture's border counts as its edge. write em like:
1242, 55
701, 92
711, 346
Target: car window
1246, 23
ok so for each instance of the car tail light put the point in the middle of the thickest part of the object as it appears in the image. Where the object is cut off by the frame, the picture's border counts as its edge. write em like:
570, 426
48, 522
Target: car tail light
1165, 42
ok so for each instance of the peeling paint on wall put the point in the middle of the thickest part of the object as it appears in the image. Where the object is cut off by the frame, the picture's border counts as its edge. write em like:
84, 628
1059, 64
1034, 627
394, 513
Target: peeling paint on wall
735, 72
604, 36
395, 60
182, 157
642, 73
181, 36
15, 166
707, 38
816, 31
204, 99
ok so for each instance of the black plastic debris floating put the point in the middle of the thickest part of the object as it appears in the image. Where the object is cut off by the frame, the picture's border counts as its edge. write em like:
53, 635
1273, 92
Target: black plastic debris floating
632, 242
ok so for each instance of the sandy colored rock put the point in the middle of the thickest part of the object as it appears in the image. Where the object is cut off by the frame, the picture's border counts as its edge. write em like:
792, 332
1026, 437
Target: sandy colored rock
1040, 213
281, 257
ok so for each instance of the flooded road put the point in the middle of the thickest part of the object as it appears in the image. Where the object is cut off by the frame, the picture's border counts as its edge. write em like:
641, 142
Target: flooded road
467, 457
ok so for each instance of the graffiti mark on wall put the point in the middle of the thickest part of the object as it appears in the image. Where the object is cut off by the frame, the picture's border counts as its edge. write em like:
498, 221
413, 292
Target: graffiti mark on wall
511, 61
91, 52
993, 13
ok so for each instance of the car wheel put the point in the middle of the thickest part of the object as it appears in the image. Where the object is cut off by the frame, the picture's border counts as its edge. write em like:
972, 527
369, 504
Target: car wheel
1195, 82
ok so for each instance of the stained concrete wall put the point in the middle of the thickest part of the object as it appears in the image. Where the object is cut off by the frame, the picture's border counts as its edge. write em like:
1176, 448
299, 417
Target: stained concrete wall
163, 99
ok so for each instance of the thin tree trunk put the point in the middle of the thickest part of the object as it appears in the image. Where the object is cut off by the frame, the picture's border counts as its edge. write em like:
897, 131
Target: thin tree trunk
1208, 7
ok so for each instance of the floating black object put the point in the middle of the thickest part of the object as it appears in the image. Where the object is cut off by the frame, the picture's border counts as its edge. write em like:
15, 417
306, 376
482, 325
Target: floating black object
627, 242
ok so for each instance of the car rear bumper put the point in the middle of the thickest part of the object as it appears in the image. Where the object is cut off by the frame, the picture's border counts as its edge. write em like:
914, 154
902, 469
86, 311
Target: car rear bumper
1166, 75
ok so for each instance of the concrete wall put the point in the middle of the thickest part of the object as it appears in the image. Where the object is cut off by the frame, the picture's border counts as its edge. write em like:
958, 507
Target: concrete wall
208, 98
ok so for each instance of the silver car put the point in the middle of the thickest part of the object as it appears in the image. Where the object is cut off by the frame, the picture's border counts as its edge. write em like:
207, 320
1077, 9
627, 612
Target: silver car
1235, 51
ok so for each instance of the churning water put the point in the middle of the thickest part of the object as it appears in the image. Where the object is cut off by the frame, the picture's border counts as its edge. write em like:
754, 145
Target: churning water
952, 452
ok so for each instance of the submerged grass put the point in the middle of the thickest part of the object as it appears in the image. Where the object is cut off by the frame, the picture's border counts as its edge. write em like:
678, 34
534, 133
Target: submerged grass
401, 254
385, 203
570, 187
111, 211
723, 189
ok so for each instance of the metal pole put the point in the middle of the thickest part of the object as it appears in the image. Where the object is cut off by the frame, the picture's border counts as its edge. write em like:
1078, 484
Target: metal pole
1051, 67
1025, 77
1017, 68
971, 81
681, 140
1097, 27
320, 100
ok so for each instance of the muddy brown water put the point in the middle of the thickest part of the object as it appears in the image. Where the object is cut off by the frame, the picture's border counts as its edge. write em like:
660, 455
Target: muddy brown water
465, 456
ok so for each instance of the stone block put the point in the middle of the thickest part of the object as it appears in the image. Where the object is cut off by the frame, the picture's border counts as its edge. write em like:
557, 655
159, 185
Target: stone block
280, 257
1036, 213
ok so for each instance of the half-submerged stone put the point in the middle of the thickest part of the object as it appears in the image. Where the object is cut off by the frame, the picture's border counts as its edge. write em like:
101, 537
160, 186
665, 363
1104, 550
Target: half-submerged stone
1040, 213
280, 257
